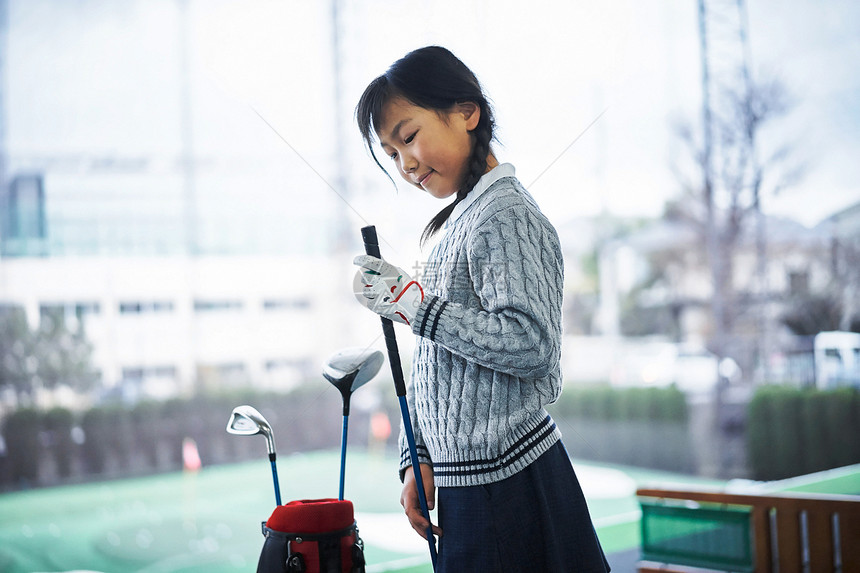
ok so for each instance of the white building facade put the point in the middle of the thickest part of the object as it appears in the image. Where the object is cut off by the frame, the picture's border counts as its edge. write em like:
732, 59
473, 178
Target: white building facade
172, 325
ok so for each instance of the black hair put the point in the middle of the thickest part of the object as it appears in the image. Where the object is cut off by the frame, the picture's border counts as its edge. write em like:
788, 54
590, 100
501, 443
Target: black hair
432, 78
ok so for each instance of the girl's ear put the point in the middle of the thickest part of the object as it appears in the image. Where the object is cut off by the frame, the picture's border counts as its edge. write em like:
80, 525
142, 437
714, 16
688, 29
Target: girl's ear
471, 113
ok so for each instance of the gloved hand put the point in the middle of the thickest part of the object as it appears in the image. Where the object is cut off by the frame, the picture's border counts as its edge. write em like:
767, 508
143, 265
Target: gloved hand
386, 290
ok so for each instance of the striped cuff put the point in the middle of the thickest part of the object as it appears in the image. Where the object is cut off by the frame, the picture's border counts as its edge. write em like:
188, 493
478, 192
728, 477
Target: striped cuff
427, 317
406, 458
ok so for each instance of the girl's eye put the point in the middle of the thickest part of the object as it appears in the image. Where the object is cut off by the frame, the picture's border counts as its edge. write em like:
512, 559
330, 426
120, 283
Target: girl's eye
393, 156
410, 138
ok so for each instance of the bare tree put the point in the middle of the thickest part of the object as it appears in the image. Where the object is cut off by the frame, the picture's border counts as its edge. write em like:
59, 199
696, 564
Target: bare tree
723, 188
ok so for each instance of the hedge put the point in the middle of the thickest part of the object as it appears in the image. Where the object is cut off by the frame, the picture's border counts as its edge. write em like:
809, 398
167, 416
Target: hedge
21, 430
147, 438
645, 427
628, 404
792, 432
57, 424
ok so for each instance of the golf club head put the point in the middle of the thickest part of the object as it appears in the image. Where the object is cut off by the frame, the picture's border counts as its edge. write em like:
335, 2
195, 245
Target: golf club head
247, 421
352, 368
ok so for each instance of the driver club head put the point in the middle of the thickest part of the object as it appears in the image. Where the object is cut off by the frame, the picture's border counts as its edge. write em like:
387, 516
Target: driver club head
247, 421
352, 368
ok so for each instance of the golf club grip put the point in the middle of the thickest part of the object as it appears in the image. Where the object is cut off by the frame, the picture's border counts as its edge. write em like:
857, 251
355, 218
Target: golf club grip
371, 242
371, 247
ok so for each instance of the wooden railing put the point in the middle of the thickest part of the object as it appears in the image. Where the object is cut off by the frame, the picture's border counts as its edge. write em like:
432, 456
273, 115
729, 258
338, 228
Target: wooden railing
789, 532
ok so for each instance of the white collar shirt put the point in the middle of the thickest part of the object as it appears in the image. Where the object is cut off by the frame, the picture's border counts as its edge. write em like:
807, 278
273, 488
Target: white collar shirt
490, 177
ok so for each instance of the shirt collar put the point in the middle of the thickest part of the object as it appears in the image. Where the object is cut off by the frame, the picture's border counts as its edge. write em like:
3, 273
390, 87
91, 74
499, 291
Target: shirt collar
490, 177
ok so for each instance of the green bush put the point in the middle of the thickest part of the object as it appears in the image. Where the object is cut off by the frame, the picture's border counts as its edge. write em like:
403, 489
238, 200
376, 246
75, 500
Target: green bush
627, 404
646, 427
792, 432
147, 423
108, 438
21, 432
58, 424
842, 413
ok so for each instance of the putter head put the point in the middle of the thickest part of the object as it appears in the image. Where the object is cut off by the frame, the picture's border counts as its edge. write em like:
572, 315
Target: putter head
352, 368
247, 421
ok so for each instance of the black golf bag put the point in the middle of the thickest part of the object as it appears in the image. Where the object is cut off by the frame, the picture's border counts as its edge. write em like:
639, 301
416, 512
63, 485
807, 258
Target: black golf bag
312, 536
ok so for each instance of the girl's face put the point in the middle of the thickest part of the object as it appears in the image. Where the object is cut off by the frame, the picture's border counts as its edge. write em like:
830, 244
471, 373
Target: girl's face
431, 149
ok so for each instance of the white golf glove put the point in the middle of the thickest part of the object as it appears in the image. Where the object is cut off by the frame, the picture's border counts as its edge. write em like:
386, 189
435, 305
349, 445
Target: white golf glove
386, 290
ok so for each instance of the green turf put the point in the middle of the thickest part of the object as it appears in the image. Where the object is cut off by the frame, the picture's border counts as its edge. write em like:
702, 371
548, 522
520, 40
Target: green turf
210, 521
843, 481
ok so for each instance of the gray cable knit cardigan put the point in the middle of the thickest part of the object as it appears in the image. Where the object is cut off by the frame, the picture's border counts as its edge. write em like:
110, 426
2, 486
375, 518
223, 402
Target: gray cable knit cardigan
487, 359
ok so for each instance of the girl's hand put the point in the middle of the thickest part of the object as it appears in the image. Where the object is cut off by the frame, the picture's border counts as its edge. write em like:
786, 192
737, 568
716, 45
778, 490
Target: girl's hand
410, 503
386, 290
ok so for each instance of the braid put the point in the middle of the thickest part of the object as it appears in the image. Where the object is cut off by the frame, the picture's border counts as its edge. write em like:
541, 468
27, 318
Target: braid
478, 159
482, 135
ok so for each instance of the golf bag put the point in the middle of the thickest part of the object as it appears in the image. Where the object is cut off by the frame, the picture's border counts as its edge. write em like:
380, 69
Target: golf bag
312, 536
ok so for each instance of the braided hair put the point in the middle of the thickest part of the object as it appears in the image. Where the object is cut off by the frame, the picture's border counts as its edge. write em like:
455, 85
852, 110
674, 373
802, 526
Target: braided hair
432, 78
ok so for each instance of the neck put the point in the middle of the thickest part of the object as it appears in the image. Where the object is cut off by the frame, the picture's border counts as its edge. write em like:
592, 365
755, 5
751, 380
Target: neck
492, 162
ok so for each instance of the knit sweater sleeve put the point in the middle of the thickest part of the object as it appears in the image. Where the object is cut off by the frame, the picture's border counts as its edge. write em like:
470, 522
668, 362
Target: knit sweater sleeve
515, 269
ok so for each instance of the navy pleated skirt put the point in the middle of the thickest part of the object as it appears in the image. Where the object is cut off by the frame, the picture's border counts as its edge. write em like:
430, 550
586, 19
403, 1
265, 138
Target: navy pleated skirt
535, 521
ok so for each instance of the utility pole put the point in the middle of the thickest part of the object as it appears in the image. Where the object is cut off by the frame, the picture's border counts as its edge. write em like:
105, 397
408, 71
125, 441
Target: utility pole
761, 282
343, 235
186, 126
728, 159
725, 55
188, 371
4, 152
711, 230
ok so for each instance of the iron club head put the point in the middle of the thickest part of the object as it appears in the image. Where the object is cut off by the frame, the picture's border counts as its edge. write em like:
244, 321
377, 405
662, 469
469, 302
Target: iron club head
247, 421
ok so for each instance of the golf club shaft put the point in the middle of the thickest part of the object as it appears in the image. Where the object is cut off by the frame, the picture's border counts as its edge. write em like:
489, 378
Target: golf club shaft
275, 479
371, 246
343, 455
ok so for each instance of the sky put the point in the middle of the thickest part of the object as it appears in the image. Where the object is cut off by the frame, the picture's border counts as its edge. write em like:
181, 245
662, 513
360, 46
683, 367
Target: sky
586, 95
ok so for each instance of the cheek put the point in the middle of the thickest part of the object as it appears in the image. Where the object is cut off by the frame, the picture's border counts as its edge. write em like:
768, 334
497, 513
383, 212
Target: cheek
402, 172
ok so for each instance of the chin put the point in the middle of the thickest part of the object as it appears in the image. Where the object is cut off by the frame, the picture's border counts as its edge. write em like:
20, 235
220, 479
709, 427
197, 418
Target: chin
442, 194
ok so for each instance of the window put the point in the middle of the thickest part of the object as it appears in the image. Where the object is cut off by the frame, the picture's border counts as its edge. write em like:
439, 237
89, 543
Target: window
85, 308
69, 313
223, 375
139, 373
142, 307
23, 228
833, 354
217, 305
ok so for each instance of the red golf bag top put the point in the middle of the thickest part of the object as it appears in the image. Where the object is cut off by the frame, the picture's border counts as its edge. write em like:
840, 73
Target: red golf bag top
312, 536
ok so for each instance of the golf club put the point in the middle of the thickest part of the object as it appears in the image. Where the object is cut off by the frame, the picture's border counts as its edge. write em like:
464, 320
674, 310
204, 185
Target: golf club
247, 421
348, 370
371, 247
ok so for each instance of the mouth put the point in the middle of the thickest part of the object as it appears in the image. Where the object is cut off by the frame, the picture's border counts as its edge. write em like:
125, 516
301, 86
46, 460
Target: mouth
423, 179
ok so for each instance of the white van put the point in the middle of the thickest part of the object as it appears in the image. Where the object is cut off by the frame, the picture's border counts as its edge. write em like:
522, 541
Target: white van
837, 359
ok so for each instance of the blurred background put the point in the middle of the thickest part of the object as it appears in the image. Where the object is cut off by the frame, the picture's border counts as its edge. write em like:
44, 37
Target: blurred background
182, 186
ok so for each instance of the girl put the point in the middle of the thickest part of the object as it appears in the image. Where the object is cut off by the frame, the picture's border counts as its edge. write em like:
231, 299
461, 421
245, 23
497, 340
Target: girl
487, 313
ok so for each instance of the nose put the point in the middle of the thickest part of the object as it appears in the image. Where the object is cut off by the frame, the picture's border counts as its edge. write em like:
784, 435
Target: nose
408, 163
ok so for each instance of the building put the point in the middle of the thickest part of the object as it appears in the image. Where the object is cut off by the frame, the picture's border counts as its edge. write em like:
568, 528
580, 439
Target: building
658, 277
158, 212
